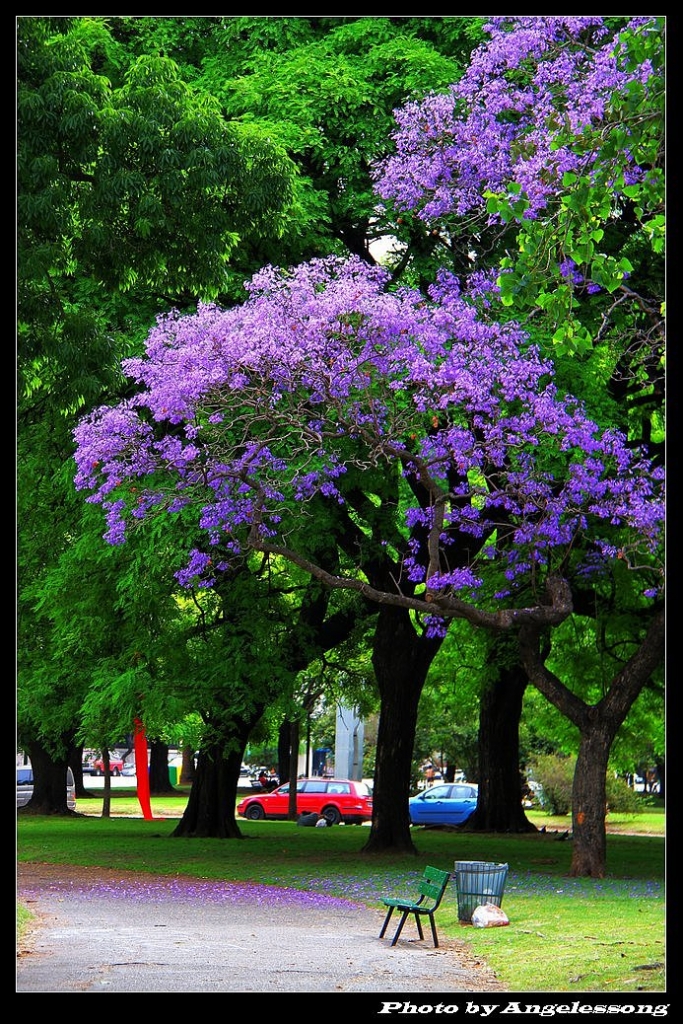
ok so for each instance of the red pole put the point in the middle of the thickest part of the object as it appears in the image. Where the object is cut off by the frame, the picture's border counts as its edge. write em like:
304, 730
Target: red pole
142, 770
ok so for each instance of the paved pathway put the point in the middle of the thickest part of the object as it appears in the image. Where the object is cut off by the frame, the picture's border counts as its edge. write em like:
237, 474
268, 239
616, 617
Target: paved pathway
100, 930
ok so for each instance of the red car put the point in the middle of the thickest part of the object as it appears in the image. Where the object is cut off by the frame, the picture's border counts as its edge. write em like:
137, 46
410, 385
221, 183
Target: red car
96, 767
339, 800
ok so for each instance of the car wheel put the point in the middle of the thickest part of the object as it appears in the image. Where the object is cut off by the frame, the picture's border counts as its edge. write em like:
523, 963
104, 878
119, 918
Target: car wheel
99, 772
332, 815
254, 812
115, 771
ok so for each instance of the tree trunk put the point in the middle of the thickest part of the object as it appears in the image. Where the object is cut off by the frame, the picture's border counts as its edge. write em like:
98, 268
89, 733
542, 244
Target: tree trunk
75, 759
499, 807
187, 770
159, 781
284, 746
210, 810
589, 804
293, 768
106, 788
401, 659
49, 782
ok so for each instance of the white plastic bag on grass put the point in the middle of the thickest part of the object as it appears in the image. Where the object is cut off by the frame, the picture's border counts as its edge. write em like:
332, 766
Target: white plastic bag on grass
488, 915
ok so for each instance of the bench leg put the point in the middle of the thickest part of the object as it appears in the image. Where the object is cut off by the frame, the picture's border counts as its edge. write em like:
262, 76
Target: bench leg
386, 922
404, 915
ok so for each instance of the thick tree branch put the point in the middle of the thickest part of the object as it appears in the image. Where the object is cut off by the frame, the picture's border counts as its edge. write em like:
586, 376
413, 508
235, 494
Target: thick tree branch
446, 606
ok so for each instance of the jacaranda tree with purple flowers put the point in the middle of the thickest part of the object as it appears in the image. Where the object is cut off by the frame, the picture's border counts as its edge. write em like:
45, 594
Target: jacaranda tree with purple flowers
550, 152
555, 128
327, 382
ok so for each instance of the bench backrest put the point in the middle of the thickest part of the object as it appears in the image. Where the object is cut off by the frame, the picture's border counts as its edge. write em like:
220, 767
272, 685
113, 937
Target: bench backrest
433, 884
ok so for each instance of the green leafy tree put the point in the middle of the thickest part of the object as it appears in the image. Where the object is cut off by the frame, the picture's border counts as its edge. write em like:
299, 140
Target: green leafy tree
326, 88
130, 196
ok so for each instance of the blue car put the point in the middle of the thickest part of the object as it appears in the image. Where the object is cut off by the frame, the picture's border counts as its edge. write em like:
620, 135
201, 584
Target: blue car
445, 804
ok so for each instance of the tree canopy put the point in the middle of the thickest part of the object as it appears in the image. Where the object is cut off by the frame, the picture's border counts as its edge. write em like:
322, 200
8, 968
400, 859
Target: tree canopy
483, 441
330, 377
324, 369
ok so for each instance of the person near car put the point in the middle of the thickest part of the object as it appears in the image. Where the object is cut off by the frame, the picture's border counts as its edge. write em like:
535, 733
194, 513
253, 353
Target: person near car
309, 820
313, 820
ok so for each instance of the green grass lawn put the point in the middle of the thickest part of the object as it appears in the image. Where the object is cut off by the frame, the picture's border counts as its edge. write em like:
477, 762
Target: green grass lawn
565, 935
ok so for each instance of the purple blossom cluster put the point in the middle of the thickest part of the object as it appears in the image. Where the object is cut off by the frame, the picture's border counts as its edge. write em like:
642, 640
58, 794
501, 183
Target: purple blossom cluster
248, 414
523, 115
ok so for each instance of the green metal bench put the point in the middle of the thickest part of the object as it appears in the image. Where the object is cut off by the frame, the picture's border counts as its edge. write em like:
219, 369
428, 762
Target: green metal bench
431, 892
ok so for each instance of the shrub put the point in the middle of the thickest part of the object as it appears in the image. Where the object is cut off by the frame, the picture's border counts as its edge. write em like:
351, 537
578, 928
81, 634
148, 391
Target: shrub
555, 774
621, 798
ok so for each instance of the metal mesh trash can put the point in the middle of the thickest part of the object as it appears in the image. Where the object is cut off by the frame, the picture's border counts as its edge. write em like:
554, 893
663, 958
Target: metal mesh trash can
478, 882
